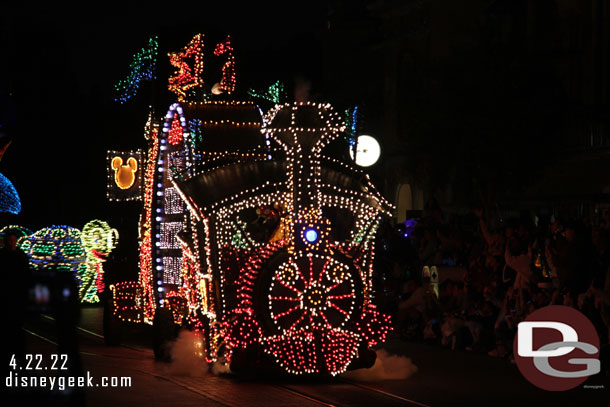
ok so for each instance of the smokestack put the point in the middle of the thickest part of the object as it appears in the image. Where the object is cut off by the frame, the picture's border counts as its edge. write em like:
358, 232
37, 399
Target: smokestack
302, 87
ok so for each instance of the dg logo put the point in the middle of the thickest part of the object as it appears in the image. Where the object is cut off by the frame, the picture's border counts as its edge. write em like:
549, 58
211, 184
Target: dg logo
557, 348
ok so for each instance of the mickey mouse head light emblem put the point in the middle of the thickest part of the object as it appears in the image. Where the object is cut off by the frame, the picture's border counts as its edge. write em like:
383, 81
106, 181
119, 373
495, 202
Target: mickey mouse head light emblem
124, 175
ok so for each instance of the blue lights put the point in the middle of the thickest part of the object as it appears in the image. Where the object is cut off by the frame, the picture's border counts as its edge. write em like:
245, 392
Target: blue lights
194, 126
351, 125
9, 199
311, 235
410, 225
142, 68
59, 247
354, 124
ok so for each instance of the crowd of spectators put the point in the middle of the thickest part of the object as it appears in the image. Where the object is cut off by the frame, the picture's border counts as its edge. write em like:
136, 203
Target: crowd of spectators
489, 274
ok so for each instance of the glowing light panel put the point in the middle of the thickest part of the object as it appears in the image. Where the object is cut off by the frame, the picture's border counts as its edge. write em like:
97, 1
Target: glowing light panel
367, 151
311, 235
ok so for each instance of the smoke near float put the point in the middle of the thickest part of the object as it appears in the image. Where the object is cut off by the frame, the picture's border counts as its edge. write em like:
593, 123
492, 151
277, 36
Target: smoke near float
386, 367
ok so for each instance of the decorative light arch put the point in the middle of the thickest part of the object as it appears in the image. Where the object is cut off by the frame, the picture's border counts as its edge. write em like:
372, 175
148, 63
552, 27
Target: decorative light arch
173, 138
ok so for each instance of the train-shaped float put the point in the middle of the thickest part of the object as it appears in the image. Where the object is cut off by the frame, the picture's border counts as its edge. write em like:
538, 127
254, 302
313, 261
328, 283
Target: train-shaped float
250, 234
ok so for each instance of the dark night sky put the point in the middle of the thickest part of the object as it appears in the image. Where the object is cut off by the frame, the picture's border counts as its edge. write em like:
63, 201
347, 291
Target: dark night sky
59, 68
458, 89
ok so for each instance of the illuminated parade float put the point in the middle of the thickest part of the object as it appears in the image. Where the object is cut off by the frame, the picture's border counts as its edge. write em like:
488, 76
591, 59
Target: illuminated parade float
66, 249
249, 233
60, 248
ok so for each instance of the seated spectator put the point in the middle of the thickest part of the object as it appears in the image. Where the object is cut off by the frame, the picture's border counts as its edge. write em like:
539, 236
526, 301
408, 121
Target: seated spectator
505, 326
520, 261
414, 309
573, 257
481, 313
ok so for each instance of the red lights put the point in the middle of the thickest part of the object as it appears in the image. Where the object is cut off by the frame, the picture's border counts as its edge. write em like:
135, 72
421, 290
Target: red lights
175, 132
227, 83
189, 64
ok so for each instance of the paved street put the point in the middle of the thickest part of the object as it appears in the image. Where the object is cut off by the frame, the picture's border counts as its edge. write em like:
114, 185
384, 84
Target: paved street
443, 378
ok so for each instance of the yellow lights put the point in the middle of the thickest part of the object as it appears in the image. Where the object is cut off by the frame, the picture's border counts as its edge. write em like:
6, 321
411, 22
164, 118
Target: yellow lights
124, 175
218, 102
125, 298
313, 230
98, 240
312, 298
337, 273
306, 292
287, 272
203, 291
329, 121
146, 295
230, 123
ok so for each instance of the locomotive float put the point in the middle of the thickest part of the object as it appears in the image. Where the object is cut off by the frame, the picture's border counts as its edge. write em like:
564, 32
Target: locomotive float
249, 233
